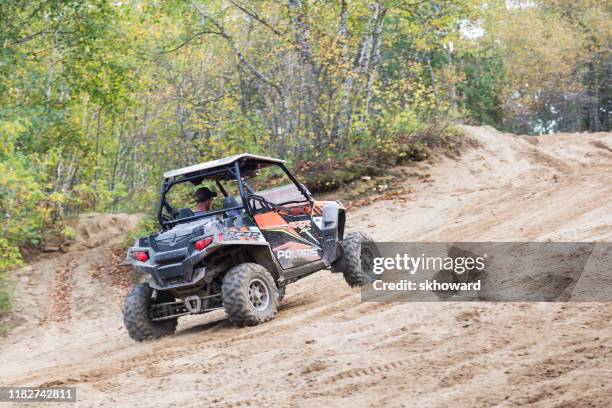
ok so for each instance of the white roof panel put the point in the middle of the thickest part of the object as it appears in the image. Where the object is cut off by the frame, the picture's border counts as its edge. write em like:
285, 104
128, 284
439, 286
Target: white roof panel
217, 163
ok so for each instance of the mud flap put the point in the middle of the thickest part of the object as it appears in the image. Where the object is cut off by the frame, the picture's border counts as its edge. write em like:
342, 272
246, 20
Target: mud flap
338, 265
332, 250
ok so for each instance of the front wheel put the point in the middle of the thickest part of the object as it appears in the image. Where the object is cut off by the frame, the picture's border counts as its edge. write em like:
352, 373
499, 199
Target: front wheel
137, 317
357, 261
249, 294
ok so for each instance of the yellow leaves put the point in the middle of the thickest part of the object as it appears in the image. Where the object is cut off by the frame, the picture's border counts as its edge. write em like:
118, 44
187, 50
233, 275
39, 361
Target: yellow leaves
57, 198
69, 232
9, 131
229, 103
541, 50
9, 255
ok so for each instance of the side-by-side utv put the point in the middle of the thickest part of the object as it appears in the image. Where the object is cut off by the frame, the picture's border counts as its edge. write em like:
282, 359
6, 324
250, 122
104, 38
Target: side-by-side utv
265, 232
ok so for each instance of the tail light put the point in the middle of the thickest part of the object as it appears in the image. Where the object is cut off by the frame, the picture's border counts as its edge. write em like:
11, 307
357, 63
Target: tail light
141, 256
203, 243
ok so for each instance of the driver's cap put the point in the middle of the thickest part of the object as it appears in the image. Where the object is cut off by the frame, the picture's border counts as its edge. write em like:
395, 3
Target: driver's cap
203, 194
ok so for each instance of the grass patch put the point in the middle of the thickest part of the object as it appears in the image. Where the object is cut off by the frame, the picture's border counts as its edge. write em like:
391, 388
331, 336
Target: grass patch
6, 290
5, 294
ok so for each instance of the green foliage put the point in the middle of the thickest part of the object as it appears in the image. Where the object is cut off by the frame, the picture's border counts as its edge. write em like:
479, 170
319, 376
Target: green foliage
5, 295
23, 214
69, 232
483, 87
6, 291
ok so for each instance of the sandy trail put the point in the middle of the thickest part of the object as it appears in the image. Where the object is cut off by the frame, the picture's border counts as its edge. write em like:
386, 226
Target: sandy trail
326, 348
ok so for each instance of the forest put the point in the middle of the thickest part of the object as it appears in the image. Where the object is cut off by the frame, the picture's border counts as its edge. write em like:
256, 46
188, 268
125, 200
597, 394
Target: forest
99, 98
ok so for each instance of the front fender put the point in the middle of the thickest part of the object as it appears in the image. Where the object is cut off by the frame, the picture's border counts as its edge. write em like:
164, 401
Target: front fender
332, 229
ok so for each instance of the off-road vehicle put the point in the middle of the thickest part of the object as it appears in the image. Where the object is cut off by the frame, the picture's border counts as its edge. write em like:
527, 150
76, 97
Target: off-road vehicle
267, 233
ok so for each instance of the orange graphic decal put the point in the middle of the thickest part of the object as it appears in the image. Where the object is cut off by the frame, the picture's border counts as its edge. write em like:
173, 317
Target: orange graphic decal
270, 220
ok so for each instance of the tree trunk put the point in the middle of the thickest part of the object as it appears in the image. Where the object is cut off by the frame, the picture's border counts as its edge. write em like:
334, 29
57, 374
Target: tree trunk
361, 68
434, 82
51, 68
309, 80
95, 183
374, 59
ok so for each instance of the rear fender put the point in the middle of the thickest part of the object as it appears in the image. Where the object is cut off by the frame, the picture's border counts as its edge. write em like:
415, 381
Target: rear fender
258, 252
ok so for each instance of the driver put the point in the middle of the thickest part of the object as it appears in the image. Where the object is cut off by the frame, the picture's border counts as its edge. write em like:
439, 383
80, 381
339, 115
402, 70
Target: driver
204, 199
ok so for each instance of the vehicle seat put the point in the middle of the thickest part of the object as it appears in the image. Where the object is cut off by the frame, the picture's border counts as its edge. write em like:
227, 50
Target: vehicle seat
184, 213
229, 202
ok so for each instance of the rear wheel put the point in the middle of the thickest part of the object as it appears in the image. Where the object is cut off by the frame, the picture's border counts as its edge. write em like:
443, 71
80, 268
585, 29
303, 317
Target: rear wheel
250, 295
137, 317
358, 260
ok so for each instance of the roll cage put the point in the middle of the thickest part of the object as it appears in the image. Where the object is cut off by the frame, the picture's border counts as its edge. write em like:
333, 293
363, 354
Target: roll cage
235, 170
